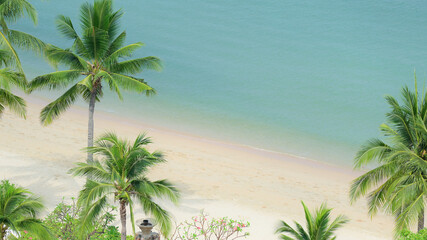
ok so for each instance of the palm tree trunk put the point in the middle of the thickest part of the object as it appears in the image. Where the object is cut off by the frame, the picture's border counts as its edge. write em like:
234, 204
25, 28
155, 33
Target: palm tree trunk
123, 219
3, 229
421, 220
91, 124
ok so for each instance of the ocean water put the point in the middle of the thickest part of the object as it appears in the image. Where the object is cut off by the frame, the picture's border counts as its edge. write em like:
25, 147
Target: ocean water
301, 77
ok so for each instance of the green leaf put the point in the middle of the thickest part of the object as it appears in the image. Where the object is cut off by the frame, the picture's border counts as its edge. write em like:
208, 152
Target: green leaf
54, 109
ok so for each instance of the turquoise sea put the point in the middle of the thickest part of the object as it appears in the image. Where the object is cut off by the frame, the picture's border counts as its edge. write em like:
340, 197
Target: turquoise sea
301, 77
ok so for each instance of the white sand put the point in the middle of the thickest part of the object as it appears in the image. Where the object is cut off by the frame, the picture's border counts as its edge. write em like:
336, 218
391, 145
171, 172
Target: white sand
224, 179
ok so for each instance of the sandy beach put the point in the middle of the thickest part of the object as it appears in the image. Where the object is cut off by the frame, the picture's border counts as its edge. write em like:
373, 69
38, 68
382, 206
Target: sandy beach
224, 179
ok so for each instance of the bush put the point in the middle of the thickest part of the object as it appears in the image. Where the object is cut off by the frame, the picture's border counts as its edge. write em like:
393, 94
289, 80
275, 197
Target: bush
63, 221
203, 227
408, 235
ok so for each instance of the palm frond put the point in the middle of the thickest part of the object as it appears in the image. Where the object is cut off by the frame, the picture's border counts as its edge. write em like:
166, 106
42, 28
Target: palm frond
90, 213
13, 102
36, 227
116, 44
284, 228
130, 83
54, 80
7, 45
141, 140
162, 217
125, 51
135, 66
361, 185
66, 28
12, 10
54, 109
87, 82
94, 190
160, 189
96, 42
86, 16
310, 221
92, 170
9, 78
56, 56
373, 150
410, 212
26, 41
339, 222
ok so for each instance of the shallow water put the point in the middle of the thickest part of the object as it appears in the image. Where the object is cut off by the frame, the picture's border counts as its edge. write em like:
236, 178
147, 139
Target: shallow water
303, 77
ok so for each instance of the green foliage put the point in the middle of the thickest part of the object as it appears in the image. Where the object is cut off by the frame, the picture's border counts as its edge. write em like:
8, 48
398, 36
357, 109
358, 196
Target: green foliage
398, 184
10, 12
112, 233
18, 212
12, 75
203, 227
121, 174
64, 221
97, 60
319, 226
408, 235
65, 224
8, 79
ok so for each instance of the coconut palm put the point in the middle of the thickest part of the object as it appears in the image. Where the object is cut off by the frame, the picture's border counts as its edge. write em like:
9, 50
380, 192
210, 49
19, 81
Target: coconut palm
10, 12
12, 74
18, 212
319, 226
398, 185
121, 175
96, 59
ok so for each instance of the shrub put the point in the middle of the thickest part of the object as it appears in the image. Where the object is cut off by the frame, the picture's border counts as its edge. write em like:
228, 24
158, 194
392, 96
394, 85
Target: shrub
203, 227
63, 221
408, 235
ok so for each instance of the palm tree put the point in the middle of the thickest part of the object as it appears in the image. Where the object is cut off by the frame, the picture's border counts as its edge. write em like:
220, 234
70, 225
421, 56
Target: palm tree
319, 226
121, 174
95, 60
10, 12
398, 185
18, 211
12, 73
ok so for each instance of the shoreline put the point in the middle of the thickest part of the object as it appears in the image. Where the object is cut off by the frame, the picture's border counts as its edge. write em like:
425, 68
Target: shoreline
253, 183
113, 117
342, 154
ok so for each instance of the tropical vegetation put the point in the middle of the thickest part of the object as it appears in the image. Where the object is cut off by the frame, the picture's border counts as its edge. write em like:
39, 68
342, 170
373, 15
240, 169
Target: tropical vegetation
64, 223
408, 235
8, 79
121, 174
10, 12
397, 184
11, 72
96, 59
319, 225
19, 209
